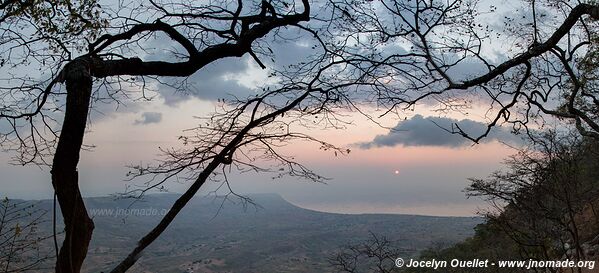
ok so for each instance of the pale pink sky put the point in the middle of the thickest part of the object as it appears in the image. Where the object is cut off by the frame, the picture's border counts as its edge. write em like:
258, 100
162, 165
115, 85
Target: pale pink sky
429, 181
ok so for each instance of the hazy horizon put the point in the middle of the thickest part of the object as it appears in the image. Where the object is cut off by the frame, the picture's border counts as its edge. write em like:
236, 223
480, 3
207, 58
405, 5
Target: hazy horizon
415, 168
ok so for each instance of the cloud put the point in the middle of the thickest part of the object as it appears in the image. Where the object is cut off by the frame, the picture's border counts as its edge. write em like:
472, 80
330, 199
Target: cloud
216, 80
421, 131
148, 118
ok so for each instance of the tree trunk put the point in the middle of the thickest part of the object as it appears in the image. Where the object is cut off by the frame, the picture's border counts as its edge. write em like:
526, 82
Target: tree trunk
78, 225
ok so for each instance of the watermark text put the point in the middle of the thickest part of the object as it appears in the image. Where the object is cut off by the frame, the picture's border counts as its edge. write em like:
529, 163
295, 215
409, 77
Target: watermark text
485, 263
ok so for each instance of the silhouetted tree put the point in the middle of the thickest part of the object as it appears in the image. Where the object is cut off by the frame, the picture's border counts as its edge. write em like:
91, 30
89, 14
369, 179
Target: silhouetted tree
377, 254
539, 198
524, 66
20, 238
394, 54
205, 32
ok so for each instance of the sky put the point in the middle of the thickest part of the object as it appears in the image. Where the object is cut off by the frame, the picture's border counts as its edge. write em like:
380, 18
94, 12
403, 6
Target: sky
416, 168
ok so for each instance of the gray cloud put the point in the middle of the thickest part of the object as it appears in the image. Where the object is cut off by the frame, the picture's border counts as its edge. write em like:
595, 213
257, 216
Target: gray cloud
221, 79
421, 131
148, 118
209, 83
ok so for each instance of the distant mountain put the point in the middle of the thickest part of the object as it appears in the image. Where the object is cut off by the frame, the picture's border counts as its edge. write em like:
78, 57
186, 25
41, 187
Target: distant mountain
216, 235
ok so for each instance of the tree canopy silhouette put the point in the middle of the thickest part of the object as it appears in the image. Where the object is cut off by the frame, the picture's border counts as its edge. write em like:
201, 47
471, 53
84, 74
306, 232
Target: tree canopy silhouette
392, 54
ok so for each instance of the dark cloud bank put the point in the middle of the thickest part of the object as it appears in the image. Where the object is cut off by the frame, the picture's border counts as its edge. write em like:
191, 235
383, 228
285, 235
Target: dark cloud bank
421, 131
